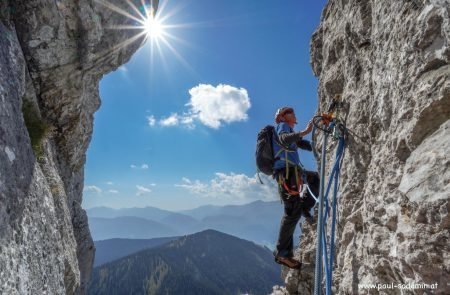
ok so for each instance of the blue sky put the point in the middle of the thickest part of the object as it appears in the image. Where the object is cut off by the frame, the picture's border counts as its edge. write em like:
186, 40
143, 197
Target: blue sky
177, 128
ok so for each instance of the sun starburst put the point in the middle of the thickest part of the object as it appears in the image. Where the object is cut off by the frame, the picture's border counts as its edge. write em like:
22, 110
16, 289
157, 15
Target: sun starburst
152, 23
153, 27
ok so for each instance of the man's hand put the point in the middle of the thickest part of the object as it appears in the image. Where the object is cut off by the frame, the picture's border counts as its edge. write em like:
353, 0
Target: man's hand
308, 128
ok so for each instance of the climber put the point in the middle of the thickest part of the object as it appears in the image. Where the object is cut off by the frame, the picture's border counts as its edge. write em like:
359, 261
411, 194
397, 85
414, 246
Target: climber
291, 179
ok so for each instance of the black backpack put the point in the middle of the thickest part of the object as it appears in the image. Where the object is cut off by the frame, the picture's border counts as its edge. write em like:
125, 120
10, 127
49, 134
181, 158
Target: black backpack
265, 158
264, 150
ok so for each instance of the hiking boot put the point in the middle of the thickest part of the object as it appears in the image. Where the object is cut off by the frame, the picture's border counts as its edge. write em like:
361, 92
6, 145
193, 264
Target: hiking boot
288, 261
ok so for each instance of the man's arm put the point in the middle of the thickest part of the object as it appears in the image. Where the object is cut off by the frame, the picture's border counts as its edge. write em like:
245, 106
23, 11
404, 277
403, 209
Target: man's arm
304, 145
287, 138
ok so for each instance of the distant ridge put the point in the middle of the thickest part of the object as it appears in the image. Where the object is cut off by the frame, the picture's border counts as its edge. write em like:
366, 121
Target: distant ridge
256, 221
208, 262
129, 227
113, 249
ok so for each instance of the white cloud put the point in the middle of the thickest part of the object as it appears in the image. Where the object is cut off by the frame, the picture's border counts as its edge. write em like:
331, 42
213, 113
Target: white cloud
212, 106
195, 187
186, 180
172, 120
143, 166
187, 120
152, 184
123, 69
110, 183
113, 191
93, 188
142, 190
151, 120
217, 105
237, 187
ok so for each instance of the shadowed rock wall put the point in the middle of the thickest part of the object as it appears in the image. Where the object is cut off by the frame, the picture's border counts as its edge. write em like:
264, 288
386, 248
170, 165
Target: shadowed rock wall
52, 56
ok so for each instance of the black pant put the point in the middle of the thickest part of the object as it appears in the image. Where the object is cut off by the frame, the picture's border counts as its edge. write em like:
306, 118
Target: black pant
294, 206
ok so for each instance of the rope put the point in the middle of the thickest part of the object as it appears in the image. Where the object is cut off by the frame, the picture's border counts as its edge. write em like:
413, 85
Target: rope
334, 178
318, 272
325, 255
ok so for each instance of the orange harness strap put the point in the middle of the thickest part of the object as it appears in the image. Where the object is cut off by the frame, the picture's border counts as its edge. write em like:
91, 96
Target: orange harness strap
286, 187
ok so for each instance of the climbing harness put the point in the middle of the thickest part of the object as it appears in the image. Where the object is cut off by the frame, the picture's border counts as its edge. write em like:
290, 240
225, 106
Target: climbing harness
300, 182
332, 126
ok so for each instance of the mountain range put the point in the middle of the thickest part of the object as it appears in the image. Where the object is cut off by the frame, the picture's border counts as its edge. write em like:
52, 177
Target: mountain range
257, 221
113, 249
208, 262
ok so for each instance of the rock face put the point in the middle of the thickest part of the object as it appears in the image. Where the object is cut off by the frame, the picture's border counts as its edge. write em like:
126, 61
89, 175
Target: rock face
52, 56
390, 60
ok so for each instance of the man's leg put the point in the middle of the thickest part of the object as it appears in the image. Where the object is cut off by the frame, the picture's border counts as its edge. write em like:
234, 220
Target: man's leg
292, 214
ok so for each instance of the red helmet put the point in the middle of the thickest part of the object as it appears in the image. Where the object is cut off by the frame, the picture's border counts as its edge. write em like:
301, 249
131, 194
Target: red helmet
281, 112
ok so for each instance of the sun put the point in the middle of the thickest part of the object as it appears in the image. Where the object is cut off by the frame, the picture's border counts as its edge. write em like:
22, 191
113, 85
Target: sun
152, 23
153, 27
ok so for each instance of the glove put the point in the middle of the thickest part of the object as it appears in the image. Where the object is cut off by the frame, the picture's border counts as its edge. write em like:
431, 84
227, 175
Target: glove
304, 145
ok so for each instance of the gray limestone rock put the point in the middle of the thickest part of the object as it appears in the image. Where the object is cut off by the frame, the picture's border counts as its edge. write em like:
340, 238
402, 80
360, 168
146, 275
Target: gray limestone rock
52, 56
390, 60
